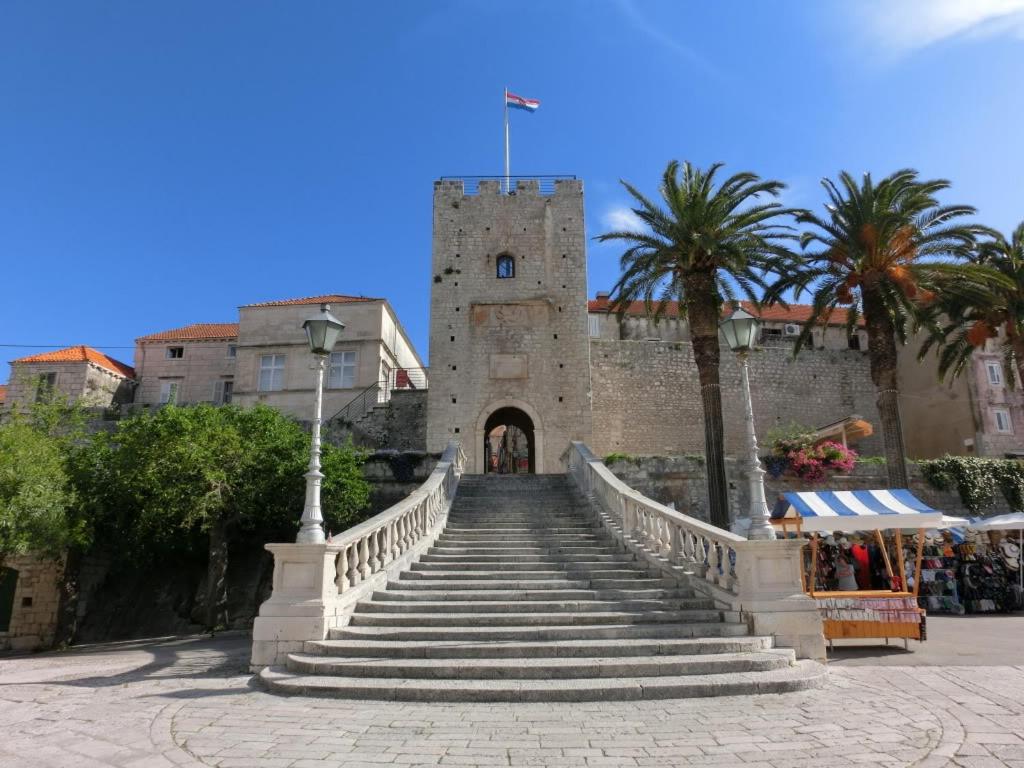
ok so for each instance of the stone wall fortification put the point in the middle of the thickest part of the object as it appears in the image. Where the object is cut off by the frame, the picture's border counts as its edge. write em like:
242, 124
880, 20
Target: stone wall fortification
509, 342
646, 395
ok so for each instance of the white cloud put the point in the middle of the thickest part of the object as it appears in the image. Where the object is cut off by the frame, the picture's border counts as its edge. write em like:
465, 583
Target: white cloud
621, 219
902, 26
667, 41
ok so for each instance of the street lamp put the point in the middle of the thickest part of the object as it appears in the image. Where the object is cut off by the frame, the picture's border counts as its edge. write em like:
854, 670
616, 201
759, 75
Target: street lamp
322, 332
740, 331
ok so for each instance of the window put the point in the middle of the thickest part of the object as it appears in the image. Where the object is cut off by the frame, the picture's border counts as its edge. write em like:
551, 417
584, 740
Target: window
595, 325
1004, 425
506, 266
995, 373
44, 389
168, 392
342, 374
232, 350
175, 353
854, 341
222, 391
271, 373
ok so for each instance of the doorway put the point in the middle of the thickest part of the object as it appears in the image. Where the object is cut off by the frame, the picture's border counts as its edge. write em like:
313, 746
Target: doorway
509, 443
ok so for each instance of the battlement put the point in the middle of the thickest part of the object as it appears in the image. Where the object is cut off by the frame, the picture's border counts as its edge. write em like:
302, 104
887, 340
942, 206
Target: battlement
532, 186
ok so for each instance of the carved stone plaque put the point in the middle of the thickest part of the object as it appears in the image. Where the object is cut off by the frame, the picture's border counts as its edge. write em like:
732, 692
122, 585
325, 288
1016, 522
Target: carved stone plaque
525, 315
508, 367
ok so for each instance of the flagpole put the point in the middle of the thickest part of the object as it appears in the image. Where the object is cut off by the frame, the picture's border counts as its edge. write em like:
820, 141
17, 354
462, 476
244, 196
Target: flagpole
506, 141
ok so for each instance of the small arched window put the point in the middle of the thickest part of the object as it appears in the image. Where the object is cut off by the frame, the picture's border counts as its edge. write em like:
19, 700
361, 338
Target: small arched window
506, 266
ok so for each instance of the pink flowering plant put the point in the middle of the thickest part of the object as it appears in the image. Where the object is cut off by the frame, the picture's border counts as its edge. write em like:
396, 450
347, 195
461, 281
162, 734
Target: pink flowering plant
795, 454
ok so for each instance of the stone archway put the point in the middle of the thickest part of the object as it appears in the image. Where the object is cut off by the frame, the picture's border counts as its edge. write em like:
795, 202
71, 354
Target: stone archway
487, 421
509, 442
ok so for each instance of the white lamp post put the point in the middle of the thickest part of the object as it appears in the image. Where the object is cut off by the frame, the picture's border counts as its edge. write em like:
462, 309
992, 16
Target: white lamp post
322, 332
740, 331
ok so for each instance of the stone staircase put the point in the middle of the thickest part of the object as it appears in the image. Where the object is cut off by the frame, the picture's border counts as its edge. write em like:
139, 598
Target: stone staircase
522, 598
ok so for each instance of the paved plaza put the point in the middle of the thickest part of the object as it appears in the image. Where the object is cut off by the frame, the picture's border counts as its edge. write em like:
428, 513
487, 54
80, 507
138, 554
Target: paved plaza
191, 702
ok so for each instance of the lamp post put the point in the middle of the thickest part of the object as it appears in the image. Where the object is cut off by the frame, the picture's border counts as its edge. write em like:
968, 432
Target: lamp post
740, 330
322, 332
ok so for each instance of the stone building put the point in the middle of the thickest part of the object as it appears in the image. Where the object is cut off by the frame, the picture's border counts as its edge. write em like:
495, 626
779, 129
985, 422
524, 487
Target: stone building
193, 364
29, 601
508, 321
274, 365
80, 373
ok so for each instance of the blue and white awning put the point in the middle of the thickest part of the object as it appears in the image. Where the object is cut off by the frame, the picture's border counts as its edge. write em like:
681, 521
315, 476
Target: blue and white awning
855, 510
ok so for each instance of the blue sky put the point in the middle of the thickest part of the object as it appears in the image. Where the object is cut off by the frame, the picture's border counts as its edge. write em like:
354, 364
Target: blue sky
163, 163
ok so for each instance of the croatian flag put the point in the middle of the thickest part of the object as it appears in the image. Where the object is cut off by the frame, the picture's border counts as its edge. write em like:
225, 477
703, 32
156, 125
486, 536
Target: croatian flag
518, 102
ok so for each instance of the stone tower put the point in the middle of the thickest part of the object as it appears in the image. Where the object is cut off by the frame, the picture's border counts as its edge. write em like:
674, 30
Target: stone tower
508, 318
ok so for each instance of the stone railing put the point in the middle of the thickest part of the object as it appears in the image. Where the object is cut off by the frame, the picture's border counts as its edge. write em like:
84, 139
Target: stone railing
316, 586
759, 579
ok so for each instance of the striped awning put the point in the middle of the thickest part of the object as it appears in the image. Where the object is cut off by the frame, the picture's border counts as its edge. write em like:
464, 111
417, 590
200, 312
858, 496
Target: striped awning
855, 510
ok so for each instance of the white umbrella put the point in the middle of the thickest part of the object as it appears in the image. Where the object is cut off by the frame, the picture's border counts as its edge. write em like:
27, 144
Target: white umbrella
1014, 521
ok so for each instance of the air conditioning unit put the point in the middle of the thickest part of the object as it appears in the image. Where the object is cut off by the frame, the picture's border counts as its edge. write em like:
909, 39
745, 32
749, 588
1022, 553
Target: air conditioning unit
791, 329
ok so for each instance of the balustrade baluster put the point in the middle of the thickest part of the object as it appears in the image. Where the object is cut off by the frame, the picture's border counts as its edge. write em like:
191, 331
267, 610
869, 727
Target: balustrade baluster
352, 556
712, 556
341, 570
364, 558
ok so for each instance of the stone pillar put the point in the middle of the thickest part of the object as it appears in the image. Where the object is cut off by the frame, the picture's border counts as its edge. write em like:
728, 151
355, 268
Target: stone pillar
772, 598
304, 604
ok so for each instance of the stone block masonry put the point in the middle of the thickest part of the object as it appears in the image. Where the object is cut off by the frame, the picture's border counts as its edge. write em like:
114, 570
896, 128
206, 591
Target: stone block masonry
36, 601
516, 341
646, 395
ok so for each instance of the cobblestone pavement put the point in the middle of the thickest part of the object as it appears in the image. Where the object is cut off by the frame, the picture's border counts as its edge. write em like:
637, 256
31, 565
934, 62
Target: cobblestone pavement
190, 702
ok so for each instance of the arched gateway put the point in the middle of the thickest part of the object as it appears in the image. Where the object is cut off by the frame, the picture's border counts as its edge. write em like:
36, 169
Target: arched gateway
509, 443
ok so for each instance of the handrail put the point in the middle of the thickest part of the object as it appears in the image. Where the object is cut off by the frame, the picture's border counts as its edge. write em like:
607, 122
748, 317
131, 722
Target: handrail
372, 545
380, 392
710, 552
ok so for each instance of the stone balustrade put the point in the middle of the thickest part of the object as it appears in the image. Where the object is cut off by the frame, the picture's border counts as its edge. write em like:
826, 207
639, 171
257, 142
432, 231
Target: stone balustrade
759, 579
316, 586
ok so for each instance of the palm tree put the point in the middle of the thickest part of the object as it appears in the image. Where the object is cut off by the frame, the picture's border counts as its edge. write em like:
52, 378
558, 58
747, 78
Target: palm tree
1001, 308
705, 242
884, 251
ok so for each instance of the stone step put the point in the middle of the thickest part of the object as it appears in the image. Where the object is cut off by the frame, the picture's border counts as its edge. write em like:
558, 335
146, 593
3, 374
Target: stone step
446, 539
532, 606
540, 585
539, 668
512, 559
541, 633
396, 593
551, 566
490, 550
508, 649
799, 676
528, 619
520, 529
424, 572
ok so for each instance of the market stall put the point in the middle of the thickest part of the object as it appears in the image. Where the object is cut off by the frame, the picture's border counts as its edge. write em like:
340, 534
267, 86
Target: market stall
857, 601
1008, 556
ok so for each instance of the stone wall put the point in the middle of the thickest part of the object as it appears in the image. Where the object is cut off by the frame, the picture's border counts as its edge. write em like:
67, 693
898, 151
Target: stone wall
36, 602
399, 424
682, 481
646, 395
517, 342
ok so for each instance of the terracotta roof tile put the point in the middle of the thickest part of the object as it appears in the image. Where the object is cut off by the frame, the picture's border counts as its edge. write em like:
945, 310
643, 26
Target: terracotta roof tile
334, 298
81, 354
195, 332
796, 313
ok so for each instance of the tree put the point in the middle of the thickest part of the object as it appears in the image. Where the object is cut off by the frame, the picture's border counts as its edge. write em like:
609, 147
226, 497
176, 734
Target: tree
216, 471
705, 242
36, 497
883, 251
959, 327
